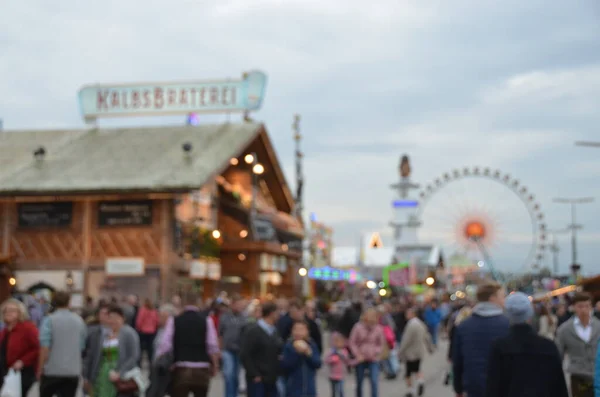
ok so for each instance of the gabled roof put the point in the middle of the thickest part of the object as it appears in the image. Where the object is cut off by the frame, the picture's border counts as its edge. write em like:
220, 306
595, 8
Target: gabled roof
17, 147
124, 159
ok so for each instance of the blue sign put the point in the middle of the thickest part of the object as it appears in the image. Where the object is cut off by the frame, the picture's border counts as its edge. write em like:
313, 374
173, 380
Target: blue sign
161, 99
405, 204
332, 274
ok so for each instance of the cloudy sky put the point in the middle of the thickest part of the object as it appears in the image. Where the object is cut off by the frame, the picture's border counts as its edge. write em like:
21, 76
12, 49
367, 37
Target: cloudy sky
510, 85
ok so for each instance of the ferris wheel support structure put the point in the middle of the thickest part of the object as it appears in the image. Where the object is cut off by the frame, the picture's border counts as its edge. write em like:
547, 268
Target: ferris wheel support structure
486, 257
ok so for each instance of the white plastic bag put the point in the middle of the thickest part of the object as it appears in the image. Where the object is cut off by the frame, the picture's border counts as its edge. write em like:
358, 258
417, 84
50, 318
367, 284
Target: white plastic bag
12, 384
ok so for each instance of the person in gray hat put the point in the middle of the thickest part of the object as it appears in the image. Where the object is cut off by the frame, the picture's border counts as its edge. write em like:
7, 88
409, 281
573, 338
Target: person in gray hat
524, 363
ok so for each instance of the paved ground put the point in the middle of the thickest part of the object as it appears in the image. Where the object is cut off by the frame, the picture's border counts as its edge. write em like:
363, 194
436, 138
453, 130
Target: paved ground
434, 368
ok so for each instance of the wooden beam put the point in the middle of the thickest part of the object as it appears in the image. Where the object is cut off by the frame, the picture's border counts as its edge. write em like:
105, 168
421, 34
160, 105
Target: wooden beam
6, 229
86, 239
93, 197
165, 248
287, 194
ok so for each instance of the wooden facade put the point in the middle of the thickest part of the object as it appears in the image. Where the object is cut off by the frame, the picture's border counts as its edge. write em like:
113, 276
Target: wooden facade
84, 245
5, 275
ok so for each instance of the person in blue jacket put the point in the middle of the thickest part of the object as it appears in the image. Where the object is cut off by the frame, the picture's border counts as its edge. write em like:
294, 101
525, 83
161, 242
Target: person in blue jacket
473, 339
433, 318
301, 359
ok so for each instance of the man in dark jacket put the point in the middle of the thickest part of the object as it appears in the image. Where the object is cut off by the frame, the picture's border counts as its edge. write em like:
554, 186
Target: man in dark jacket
524, 364
473, 340
286, 322
349, 319
230, 329
260, 353
399, 320
313, 327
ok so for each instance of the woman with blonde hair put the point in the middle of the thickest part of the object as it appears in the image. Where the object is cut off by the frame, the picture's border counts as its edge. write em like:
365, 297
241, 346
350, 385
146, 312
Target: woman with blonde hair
367, 342
464, 313
19, 343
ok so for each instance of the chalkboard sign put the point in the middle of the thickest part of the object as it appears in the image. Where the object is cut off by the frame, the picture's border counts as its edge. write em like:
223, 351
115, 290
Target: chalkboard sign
125, 213
39, 215
263, 229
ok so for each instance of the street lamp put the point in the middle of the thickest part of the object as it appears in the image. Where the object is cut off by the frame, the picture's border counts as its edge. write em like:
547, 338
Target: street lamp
69, 280
573, 202
429, 281
555, 249
302, 272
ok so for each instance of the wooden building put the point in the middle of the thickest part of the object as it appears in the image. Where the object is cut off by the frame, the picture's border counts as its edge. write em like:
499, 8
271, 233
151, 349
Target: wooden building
107, 212
5, 276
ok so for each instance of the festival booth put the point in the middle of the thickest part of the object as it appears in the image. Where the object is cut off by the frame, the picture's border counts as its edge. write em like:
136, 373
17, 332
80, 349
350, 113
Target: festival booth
153, 210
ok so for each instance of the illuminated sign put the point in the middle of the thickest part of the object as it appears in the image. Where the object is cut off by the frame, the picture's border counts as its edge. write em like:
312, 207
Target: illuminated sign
161, 99
332, 274
375, 241
405, 204
397, 275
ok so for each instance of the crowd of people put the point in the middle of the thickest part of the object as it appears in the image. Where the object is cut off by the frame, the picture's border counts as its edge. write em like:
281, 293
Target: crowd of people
499, 346
506, 346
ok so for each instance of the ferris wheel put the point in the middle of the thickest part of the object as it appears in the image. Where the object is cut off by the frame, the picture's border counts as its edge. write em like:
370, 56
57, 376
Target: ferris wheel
485, 215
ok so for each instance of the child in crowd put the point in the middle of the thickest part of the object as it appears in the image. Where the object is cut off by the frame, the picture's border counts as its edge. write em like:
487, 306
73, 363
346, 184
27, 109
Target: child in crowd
338, 360
301, 359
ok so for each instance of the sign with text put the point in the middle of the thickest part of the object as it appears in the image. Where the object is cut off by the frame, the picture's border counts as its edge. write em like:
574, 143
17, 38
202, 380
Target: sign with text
125, 213
125, 266
40, 215
198, 269
263, 229
213, 271
161, 99
205, 269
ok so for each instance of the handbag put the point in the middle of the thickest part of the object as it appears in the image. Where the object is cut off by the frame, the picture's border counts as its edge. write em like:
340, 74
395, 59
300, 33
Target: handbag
128, 386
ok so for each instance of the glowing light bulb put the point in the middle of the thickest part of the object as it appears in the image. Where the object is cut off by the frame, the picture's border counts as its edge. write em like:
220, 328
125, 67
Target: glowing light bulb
258, 169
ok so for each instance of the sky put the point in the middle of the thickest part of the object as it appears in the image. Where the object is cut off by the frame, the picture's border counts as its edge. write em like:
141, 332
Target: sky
508, 85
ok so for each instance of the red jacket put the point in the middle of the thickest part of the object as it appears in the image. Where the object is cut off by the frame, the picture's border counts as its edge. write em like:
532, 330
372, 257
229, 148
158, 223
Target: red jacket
23, 344
147, 321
